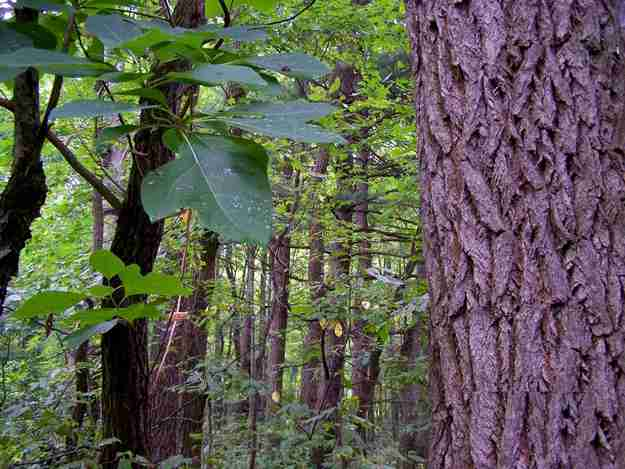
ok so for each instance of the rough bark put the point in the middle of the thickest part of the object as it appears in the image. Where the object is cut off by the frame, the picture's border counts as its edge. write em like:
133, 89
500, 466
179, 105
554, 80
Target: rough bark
311, 372
364, 359
25, 193
177, 409
522, 181
125, 368
280, 254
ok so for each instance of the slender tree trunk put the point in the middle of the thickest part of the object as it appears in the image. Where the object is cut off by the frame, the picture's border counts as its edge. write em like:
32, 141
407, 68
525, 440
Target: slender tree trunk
311, 373
519, 107
280, 252
25, 193
125, 368
364, 359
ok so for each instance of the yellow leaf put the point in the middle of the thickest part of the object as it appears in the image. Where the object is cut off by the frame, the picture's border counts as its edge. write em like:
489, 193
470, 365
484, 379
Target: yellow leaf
323, 323
275, 396
338, 329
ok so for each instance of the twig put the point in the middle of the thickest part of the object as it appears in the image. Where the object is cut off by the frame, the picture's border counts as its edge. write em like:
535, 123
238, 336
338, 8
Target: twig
286, 20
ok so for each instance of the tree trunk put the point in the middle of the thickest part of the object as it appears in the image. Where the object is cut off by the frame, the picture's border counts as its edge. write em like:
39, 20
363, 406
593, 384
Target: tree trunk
25, 193
522, 182
364, 358
311, 373
125, 368
280, 253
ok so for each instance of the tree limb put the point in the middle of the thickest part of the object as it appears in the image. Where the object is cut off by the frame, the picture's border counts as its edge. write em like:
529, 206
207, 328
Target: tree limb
76, 165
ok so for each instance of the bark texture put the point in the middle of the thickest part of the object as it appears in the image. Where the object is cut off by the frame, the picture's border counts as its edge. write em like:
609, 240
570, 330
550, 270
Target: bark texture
25, 193
519, 107
125, 368
311, 372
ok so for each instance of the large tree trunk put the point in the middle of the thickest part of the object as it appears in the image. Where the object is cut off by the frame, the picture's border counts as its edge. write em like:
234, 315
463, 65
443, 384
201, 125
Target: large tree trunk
519, 106
25, 193
125, 368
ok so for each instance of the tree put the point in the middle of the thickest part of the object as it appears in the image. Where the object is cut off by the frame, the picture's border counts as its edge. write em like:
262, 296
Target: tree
520, 109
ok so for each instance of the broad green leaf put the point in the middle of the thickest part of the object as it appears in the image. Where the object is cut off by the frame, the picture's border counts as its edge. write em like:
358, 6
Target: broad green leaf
49, 302
156, 283
113, 30
112, 134
100, 291
44, 5
172, 139
211, 74
283, 127
148, 93
89, 317
41, 37
131, 279
53, 62
224, 179
93, 108
293, 65
120, 77
285, 120
299, 110
236, 33
11, 40
214, 9
107, 263
77, 338
139, 311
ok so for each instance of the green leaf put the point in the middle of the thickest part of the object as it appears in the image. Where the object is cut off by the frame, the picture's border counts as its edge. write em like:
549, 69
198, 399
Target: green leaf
156, 283
285, 120
8, 74
224, 179
53, 62
120, 77
11, 40
90, 317
299, 110
285, 128
236, 33
77, 338
93, 108
148, 93
211, 74
131, 279
100, 291
293, 65
107, 263
41, 37
113, 30
113, 134
49, 302
43, 5
214, 9
172, 139
139, 311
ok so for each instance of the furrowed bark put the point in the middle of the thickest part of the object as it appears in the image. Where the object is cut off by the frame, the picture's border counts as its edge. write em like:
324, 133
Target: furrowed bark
25, 193
125, 367
522, 180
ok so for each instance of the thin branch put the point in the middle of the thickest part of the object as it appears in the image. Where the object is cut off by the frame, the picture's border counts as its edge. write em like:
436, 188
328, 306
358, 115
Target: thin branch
227, 21
289, 19
55, 94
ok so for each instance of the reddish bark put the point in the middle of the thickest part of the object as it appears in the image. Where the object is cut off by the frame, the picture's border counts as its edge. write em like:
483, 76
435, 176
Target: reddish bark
311, 373
125, 373
522, 182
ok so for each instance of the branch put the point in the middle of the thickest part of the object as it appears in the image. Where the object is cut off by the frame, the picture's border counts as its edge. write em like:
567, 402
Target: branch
55, 94
76, 165
286, 20
83, 171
